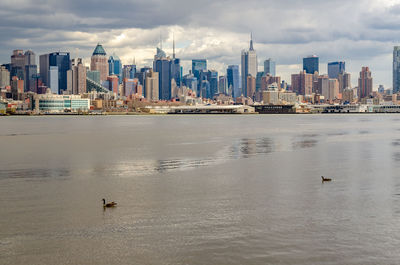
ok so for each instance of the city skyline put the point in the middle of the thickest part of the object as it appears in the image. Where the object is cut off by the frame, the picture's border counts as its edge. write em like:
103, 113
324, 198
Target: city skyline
211, 31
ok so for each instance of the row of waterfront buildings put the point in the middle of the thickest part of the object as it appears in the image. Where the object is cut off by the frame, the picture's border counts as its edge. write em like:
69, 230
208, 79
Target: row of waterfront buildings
165, 83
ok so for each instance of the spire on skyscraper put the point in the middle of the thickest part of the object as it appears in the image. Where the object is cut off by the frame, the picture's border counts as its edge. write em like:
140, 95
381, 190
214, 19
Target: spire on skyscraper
251, 41
173, 45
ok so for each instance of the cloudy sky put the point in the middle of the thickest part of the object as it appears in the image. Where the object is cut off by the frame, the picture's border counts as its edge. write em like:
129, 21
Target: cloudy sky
360, 32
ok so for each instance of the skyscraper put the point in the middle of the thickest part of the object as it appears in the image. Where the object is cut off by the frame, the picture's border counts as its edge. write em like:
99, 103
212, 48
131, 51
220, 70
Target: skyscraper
77, 77
232, 74
212, 77
62, 61
152, 86
396, 69
198, 66
18, 64
302, 83
269, 67
311, 64
99, 62
249, 65
162, 65
336, 68
364, 83
222, 85
176, 67
129, 71
115, 67
44, 68
53, 80
30, 73
4, 77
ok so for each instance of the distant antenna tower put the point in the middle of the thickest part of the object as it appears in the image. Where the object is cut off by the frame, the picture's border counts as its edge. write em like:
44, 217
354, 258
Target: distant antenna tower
173, 45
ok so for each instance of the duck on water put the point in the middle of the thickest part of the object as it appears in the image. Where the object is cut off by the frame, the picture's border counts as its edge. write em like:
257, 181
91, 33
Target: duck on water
325, 179
110, 204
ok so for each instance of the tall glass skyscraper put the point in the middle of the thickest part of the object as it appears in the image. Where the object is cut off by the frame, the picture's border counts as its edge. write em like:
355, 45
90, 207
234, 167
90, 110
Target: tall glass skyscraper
311, 64
270, 67
232, 74
162, 65
396, 69
176, 71
62, 61
336, 68
115, 67
198, 66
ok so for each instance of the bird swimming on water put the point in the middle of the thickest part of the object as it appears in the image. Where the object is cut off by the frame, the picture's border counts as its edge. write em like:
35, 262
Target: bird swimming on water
110, 204
325, 179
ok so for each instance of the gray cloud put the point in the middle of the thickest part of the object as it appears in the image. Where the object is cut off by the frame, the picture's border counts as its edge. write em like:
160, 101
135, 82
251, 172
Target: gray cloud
362, 32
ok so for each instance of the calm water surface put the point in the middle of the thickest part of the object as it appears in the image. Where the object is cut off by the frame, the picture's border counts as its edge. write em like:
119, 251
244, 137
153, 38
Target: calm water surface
200, 189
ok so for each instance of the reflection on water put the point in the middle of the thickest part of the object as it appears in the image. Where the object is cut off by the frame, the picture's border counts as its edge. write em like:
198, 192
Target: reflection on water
35, 173
243, 148
250, 147
396, 142
396, 156
305, 141
364, 132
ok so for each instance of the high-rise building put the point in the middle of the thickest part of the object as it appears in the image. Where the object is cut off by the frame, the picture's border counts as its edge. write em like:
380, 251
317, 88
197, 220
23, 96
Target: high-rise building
249, 65
130, 87
344, 81
302, 83
17, 87
4, 77
311, 64
336, 68
30, 58
190, 81
251, 86
176, 67
162, 65
232, 74
364, 83
77, 77
396, 69
18, 64
115, 67
152, 89
53, 79
129, 71
113, 84
270, 67
198, 67
212, 77
259, 80
99, 62
30, 77
223, 85
330, 88
62, 61
44, 65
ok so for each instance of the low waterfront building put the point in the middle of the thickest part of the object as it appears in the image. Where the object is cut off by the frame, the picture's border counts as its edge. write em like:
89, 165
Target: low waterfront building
51, 103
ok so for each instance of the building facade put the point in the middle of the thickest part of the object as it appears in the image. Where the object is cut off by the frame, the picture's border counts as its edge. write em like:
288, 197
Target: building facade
98, 62
396, 69
336, 68
249, 65
311, 64
232, 74
270, 67
364, 83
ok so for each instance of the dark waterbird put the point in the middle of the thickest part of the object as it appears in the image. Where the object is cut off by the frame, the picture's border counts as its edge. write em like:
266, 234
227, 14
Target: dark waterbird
110, 204
325, 179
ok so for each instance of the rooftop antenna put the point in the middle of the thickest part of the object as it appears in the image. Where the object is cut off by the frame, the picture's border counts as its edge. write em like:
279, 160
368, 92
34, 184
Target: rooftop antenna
160, 41
173, 45
251, 41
